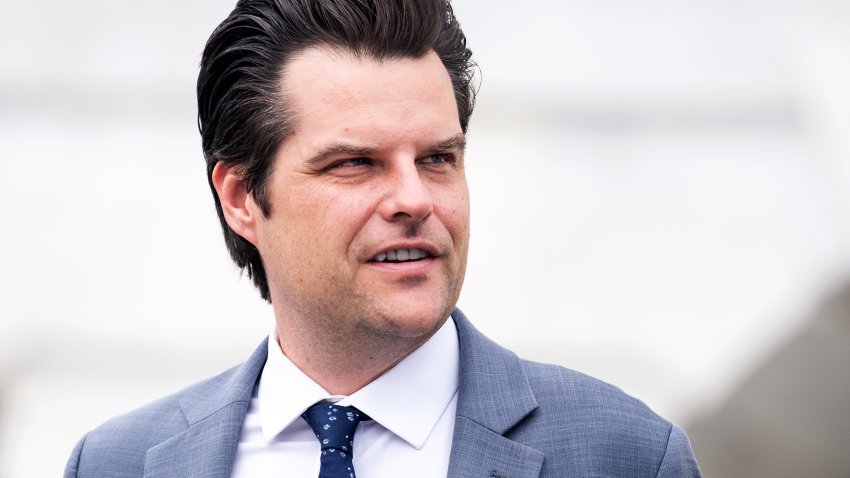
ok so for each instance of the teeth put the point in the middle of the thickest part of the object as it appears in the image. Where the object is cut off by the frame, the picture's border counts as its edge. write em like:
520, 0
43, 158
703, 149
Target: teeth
401, 255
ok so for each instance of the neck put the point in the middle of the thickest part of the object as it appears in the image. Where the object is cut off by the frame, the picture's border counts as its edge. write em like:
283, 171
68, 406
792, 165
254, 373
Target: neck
344, 361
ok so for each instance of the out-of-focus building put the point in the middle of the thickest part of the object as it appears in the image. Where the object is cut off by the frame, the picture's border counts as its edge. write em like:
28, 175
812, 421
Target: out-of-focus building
791, 416
660, 195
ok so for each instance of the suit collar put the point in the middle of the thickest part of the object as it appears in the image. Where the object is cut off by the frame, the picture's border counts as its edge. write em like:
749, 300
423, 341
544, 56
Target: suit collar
234, 386
493, 390
494, 395
214, 412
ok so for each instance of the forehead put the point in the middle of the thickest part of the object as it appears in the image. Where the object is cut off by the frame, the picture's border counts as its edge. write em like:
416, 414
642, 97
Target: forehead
323, 67
339, 92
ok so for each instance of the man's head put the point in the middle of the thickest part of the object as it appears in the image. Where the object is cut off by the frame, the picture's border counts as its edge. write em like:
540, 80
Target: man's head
245, 115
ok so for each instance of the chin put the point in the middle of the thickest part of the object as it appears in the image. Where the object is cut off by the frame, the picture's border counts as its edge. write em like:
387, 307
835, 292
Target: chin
412, 323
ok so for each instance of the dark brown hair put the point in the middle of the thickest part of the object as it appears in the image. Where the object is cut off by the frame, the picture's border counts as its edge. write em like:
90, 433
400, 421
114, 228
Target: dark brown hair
242, 115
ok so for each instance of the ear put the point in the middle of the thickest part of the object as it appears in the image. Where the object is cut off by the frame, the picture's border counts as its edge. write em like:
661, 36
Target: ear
240, 211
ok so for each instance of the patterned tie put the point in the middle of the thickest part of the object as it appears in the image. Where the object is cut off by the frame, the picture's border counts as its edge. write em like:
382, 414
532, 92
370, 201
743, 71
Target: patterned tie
334, 426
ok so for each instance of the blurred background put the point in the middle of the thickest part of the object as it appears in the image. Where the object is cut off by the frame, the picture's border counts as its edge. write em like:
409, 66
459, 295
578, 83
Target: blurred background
661, 199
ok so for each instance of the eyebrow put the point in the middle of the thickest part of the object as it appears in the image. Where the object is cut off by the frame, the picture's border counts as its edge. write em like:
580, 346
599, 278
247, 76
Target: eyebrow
455, 142
339, 149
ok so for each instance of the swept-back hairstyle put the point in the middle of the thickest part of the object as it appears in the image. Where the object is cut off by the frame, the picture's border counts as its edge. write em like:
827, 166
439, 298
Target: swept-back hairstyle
242, 113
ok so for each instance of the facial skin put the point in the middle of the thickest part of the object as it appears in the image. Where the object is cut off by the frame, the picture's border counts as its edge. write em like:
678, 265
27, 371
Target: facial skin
374, 164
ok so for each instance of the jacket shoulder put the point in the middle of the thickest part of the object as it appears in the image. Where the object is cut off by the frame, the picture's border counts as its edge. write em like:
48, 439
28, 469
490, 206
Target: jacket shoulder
572, 391
118, 447
613, 432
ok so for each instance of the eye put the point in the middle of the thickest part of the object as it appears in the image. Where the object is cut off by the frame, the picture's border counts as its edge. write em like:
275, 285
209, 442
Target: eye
352, 163
439, 158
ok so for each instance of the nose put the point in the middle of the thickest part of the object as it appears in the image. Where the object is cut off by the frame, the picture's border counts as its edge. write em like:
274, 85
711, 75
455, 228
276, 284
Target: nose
408, 197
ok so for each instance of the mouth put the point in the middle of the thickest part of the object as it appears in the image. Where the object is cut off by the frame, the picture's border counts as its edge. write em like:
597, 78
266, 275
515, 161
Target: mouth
402, 255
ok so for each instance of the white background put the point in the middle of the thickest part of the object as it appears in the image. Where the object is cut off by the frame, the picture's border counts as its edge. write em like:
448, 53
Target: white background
661, 195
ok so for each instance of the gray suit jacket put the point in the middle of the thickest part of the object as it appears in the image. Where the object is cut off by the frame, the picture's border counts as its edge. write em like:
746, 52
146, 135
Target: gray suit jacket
515, 419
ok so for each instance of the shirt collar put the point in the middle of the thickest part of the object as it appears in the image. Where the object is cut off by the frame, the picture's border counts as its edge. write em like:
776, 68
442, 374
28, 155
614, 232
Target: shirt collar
408, 399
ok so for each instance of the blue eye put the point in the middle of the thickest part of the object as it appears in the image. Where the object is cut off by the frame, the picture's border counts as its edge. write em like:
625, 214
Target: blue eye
353, 162
437, 159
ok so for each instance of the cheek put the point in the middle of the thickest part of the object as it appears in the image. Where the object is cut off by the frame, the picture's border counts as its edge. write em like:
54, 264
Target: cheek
454, 210
329, 219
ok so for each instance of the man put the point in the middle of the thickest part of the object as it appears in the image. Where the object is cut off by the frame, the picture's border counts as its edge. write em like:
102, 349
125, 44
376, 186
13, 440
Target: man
334, 137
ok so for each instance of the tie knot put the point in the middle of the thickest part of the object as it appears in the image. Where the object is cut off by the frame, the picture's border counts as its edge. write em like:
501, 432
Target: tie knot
334, 425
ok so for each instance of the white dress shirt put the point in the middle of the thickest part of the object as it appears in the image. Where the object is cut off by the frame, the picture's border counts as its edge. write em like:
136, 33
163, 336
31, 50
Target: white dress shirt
412, 407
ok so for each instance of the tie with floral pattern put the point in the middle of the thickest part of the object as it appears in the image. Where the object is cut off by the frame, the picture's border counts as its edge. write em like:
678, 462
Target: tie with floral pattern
334, 426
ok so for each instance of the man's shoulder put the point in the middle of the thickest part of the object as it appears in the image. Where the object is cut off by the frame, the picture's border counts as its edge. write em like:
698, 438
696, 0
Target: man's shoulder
119, 445
597, 419
575, 421
556, 390
157, 420
165, 415
561, 387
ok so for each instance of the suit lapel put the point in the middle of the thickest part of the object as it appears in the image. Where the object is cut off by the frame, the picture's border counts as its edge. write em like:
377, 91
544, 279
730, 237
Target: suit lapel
205, 450
479, 452
493, 396
215, 414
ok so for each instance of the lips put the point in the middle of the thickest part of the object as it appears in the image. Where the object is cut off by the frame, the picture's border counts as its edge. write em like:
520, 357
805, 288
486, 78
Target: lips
402, 255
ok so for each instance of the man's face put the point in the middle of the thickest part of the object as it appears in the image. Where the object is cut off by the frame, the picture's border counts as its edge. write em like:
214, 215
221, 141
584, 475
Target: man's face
369, 218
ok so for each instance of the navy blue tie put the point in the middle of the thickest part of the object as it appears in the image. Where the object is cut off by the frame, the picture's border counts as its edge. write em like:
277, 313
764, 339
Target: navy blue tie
334, 426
